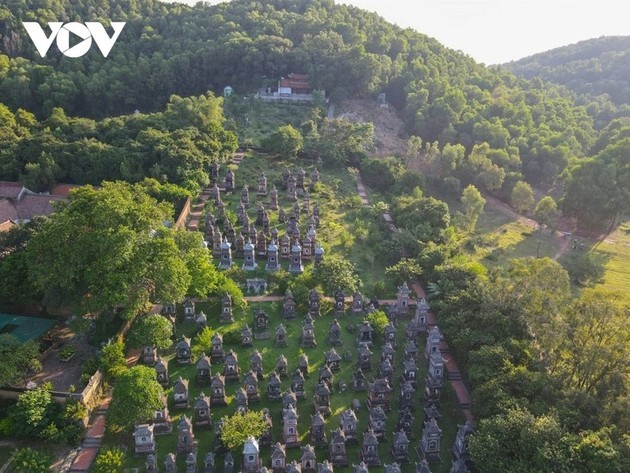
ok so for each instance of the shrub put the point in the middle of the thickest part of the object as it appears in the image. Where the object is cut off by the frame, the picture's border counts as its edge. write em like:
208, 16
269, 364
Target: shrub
27, 460
378, 320
109, 461
67, 352
113, 361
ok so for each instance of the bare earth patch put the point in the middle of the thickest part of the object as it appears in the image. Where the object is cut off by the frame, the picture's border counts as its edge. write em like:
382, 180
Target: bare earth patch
63, 374
388, 126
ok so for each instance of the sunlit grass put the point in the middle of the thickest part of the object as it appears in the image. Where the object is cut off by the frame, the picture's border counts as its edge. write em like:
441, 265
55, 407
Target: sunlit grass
617, 256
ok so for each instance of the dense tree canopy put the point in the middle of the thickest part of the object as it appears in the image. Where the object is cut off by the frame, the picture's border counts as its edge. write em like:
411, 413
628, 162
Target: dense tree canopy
597, 190
176, 145
135, 398
548, 373
336, 273
169, 49
151, 330
36, 415
127, 256
593, 67
285, 143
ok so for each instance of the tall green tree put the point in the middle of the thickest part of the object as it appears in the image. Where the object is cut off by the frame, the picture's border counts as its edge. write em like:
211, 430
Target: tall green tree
406, 270
335, 273
522, 197
520, 442
597, 189
596, 340
546, 211
236, 429
285, 143
34, 415
135, 398
473, 204
108, 247
112, 360
151, 330
18, 358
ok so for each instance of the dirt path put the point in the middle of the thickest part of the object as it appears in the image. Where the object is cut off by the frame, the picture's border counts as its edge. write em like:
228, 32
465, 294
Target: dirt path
562, 237
454, 375
505, 209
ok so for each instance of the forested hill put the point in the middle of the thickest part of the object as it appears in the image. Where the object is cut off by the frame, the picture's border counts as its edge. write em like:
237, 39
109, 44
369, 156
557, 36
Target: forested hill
594, 67
531, 129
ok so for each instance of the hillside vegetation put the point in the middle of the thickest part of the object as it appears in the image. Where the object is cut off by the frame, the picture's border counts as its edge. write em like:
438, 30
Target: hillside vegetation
593, 67
444, 95
543, 351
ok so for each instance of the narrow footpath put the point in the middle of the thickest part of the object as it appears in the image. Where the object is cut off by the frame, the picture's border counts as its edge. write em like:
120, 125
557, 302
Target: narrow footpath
453, 373
82, 458
196, 213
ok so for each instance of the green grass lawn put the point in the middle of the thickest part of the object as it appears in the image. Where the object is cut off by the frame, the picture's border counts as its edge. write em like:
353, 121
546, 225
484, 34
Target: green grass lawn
339, 401
498, 238
613, 254
617, 267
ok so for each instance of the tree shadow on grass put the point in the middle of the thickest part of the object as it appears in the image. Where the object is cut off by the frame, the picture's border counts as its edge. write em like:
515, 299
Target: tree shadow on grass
586, 268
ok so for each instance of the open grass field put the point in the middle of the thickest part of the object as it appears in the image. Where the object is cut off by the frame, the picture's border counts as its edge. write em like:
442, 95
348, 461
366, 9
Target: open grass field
499, 238
339, 400
613, 254
617, 266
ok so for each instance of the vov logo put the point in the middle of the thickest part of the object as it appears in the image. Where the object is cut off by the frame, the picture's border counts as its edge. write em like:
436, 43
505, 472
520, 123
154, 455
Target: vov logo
91, 30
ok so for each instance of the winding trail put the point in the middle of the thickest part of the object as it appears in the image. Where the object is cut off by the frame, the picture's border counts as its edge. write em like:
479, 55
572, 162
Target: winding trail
561, 236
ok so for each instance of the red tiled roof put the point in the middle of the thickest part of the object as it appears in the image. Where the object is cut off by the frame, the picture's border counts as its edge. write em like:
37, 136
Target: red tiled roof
5, 226
63, 189
294, 84
29, 204
33, 205
295, 81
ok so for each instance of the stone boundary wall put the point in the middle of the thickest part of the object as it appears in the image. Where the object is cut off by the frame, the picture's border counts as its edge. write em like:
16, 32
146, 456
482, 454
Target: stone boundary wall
86, 396
183, 215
